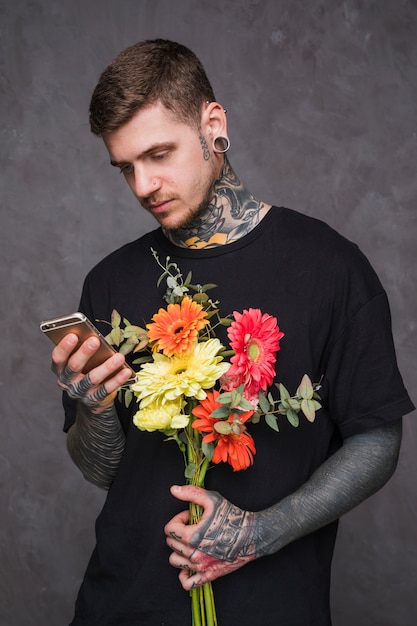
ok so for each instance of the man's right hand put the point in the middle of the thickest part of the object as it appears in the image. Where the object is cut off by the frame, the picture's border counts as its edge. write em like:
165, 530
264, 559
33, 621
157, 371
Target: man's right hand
90, 389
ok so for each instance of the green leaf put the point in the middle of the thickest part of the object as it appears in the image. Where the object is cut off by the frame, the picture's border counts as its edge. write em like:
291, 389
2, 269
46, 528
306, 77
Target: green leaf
245, 405
284, 394
305, 390
294, 404
142, 359
128, 397
141, 345
236, 397
225, 321
208, 286
221, 412
116, 336
187, 281
208, 449
126, 348
200, 297
308, 408
256, 418
293, 418
224, 398
226, 353
272, 422
115, 318
263, 403
189, 471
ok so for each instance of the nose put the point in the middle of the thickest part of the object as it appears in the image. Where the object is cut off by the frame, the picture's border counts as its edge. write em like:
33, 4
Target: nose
144, 183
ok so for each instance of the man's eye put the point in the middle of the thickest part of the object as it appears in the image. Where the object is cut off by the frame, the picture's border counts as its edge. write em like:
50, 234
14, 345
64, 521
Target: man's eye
126, 169
159, 156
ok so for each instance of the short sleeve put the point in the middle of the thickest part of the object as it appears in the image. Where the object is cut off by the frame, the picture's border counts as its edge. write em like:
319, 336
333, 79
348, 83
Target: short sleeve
364, 386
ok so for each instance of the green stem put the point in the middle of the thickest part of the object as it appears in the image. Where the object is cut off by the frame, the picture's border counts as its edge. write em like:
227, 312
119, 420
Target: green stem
195, 603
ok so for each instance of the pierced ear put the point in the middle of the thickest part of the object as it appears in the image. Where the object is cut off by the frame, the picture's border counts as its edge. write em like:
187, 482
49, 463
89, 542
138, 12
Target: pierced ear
214, 119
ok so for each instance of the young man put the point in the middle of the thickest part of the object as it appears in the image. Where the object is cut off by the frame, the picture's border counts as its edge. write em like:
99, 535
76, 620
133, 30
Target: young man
275, 523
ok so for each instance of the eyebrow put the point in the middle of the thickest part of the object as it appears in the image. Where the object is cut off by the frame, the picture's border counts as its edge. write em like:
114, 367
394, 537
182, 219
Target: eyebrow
157, 147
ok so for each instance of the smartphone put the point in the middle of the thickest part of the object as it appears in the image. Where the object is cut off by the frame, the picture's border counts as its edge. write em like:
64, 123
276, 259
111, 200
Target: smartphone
80, 325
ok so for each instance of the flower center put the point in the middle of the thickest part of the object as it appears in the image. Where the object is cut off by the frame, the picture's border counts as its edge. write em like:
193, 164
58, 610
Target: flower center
253, 350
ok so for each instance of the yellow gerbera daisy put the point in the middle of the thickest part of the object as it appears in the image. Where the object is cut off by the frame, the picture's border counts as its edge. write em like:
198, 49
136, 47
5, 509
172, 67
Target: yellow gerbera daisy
168, 378
175, 330
159, 416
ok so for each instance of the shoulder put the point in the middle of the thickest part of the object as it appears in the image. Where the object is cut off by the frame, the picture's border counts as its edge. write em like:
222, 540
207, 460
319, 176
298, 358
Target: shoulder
314, 241
130, 255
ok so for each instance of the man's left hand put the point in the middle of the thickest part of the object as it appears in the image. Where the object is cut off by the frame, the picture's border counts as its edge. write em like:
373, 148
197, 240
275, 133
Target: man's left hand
222, 542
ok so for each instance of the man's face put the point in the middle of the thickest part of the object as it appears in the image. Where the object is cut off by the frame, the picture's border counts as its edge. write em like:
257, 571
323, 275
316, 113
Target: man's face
166, 163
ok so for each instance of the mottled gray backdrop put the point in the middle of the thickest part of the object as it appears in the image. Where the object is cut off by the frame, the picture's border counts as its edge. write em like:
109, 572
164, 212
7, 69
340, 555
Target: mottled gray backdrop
322, 105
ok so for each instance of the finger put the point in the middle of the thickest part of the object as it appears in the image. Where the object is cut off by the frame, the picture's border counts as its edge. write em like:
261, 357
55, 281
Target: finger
62, 351
109, 371
196, 579
178, 521
83, 354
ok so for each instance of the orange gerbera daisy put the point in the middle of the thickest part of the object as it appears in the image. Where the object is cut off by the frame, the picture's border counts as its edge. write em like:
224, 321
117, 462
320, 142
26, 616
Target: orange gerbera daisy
255, 339
233, 444
176, 328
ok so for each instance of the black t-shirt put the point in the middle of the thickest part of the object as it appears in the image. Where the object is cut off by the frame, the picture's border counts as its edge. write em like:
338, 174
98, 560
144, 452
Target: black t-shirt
335, 316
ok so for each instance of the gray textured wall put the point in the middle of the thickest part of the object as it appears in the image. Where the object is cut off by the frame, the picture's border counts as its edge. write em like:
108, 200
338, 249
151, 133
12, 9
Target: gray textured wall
322, 107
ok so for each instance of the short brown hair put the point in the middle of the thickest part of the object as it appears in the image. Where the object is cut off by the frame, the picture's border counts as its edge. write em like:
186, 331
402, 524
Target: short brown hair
147, 72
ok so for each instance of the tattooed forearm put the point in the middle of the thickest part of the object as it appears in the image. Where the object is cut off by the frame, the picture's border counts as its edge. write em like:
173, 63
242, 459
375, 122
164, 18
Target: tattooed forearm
96, 443
355, 472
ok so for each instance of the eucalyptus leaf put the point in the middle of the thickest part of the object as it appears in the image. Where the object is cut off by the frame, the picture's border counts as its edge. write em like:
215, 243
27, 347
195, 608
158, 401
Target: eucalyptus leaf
272, 422
305, 390
116, 336
141, 345
236, 397
224, 398
263, 403
208, 286
245, 405
294, 404
115, 318
200, 297
128, 397
142, 359
283, 392
126, 348
308, 408
189, 471
293, 418
208, 449
221, 412
187, 281
226, 353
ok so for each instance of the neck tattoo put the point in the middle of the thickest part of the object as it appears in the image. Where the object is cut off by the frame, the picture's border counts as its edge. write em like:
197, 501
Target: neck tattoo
229, 213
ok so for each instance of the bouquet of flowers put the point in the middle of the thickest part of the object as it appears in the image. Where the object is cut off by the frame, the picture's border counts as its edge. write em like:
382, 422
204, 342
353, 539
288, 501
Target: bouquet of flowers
188, 390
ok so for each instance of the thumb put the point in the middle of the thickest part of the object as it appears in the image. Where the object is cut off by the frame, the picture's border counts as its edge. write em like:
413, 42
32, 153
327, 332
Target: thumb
189, 493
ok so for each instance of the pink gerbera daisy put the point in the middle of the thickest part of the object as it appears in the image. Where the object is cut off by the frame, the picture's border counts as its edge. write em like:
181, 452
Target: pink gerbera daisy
255, 338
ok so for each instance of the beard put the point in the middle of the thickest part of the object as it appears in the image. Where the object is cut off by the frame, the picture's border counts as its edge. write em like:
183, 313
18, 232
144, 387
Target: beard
192, 218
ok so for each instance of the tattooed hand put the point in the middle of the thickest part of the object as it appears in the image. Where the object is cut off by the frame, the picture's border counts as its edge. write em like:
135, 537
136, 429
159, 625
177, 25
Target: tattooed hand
223, 541
90, 388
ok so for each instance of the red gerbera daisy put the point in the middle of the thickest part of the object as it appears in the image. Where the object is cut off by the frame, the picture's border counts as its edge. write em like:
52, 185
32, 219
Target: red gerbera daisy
254, 337
176, 329
234, 445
